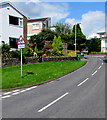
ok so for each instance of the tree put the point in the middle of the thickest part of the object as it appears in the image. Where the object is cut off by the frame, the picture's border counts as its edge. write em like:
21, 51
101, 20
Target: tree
80, 38
63, 28
57, 45
94, 45
39, 40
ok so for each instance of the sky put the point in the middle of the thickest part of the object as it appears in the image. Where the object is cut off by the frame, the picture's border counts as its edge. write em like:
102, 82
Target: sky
90, 14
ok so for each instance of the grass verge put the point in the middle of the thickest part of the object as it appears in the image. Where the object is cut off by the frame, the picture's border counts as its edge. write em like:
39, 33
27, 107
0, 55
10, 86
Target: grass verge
37, 73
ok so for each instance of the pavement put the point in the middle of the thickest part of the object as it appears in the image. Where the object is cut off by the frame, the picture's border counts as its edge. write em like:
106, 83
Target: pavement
80, 94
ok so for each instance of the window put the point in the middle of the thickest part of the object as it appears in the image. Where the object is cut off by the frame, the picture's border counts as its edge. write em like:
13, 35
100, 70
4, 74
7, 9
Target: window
13, 42
21, 22
13, 20
35, 26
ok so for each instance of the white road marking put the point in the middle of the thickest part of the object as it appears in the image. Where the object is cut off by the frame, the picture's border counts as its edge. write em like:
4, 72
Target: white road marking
94, 73
15, 93
53, 102
82, 82
31, 88
23, 91
99, 67
102, 63
6, 96
7, 93
16, 90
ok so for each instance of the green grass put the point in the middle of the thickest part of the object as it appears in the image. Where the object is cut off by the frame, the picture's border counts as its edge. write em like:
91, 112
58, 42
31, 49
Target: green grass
37, 73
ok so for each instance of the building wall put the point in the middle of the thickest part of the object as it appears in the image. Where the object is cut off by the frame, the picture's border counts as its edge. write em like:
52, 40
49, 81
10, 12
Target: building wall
104, 45
7, 29
31, 30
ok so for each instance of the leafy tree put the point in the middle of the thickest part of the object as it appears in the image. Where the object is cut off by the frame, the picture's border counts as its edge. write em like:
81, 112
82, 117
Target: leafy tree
39, 40
80, 38
47, 34
63, 28
94, 45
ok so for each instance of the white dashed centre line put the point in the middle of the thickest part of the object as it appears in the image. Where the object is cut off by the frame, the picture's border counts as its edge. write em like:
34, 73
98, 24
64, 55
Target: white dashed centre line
53, 102
82, 82
94, 73
99, 67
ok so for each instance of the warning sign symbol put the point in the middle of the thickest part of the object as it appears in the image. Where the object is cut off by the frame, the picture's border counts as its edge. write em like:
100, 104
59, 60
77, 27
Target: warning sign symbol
21, 40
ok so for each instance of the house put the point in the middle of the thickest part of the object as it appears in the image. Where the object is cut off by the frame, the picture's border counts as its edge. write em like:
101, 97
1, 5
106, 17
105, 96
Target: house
52, 28
13, 24
103, 36
35, 26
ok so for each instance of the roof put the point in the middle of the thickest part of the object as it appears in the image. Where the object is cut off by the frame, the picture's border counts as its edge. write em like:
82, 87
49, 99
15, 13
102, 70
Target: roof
38, 20
9, 3
101, 33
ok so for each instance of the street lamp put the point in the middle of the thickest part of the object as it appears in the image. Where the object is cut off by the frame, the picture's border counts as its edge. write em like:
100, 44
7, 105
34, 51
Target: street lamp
76, 37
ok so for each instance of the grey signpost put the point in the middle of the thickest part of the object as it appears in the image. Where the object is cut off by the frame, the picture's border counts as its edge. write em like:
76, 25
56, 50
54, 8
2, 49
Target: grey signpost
21, 44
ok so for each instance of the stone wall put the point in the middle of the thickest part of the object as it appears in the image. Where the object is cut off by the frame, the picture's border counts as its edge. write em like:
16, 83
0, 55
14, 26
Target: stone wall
30, 60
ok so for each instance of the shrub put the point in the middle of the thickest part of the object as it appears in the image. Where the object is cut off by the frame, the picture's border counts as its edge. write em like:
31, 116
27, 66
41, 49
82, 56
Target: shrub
27, 52
5, 48
15, 53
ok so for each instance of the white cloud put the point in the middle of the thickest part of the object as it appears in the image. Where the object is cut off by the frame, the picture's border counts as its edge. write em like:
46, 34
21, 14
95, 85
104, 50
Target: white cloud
27, 1
91, 22
40, 9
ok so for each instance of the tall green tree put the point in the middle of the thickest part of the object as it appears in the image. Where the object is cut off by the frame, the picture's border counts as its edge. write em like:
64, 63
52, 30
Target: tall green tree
80, 38
94, 45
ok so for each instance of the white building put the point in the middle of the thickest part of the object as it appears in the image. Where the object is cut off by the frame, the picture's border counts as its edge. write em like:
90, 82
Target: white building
103, 36
12, 24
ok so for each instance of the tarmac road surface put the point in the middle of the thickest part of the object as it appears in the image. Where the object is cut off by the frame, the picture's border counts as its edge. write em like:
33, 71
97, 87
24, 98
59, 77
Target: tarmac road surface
80, 94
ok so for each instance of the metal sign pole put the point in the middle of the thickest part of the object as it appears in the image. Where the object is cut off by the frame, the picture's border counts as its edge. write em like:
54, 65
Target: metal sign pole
21, 62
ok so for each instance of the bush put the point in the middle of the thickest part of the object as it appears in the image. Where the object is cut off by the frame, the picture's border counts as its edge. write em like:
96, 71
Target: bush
5, 48
15, 53
27, 52
56, 53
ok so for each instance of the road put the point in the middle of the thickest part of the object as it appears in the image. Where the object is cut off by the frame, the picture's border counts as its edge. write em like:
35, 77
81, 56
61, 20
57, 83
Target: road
80, 94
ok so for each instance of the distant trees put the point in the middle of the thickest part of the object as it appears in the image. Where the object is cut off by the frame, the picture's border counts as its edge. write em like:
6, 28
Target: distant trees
64, 33
63, 28
93, 45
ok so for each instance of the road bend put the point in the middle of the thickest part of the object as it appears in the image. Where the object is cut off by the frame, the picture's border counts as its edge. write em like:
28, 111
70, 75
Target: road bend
80, 94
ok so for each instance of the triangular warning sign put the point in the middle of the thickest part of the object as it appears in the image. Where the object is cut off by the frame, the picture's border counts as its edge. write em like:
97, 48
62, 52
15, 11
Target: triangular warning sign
21, 40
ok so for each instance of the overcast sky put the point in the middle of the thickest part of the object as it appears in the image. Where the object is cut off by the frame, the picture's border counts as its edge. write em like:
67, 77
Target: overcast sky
90, 14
